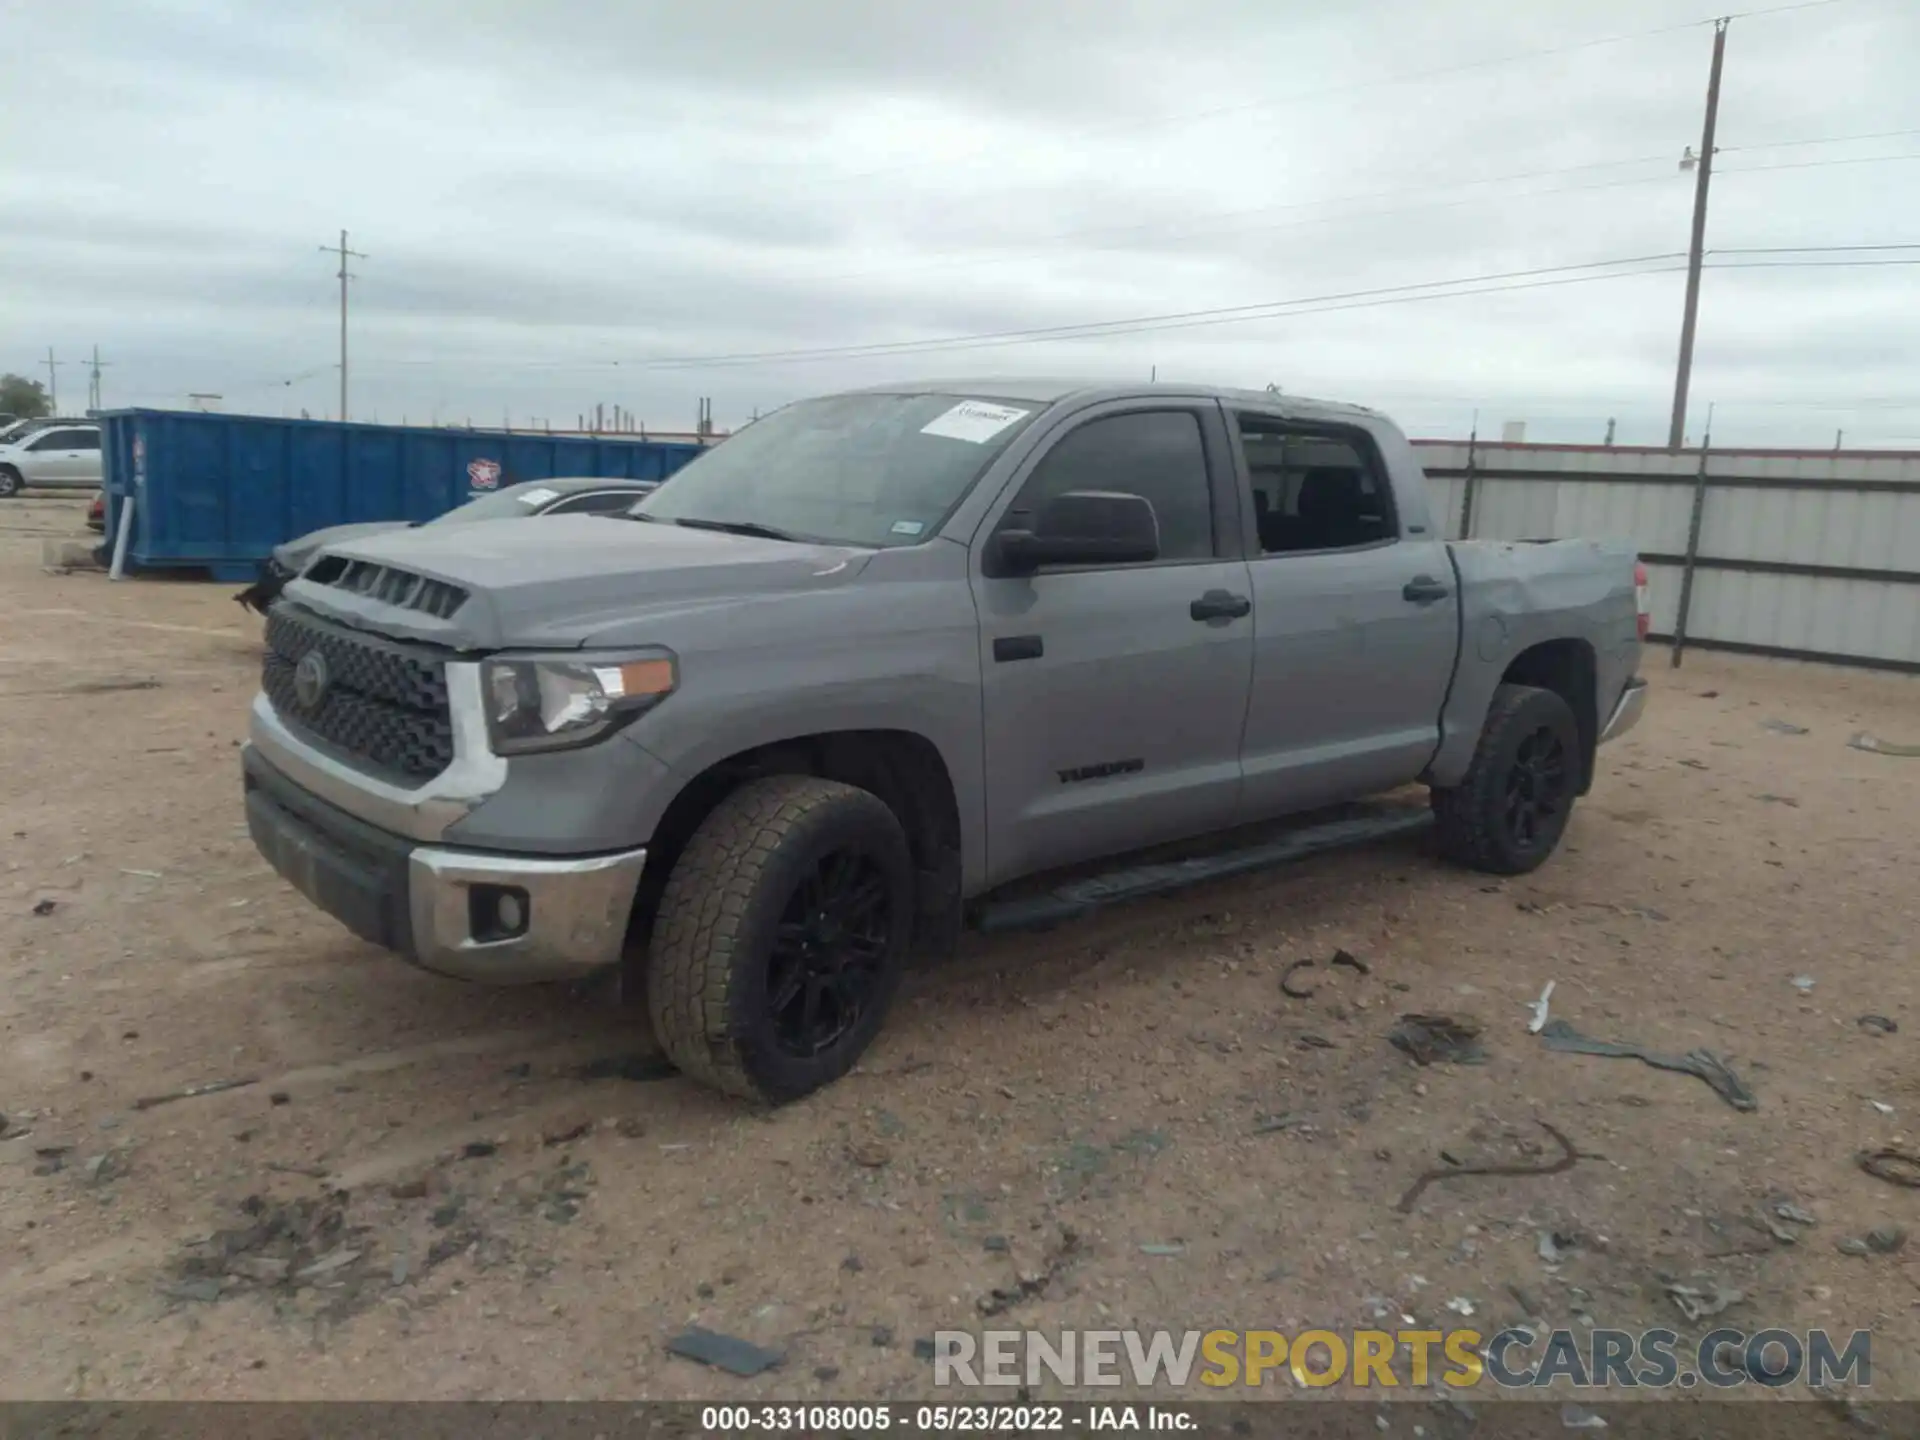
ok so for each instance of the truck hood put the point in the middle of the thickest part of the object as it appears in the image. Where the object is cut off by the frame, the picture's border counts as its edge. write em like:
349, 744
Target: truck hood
296, 552
572, 578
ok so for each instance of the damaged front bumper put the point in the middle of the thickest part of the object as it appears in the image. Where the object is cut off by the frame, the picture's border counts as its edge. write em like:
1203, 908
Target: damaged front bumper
475, 915
1626, 714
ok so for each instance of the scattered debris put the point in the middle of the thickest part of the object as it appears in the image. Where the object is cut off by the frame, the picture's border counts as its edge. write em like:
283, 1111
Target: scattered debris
1029, 1287
312, 1172
870, 1155
1286, 976
143, 874
1346, 959
106, 687
44, 905
1852, 1245
1702, 1064
1803, 983
327, 1264
1164, 1251
1572, 1417
1881, 1106
1539, 1007
1428, 1038
1460, 1305
1314, 1042
1692, 764
629, 1127
1878, 1025
52, 1159
824, 1373
1886, 1239
1555, 1246
1864, 741
212, 1087
923, 1348
1783, 727
1697, 1302
279, 1097
305, 1242
1568, 1157
881, 1337
478, 1150
723, 1352
1787, 1210
1771, 799
1272, 1124
569, 1135
99, 1169
1709, 694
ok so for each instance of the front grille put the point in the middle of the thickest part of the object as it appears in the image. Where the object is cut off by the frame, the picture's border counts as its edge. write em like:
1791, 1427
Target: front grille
385, 702
401, 588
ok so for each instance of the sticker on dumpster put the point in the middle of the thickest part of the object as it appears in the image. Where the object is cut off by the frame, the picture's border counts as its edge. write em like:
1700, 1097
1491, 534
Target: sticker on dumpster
485, 474
139, 459
974, 421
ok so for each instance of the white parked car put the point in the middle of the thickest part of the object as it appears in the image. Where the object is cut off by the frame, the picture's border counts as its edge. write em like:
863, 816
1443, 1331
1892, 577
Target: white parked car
54, 457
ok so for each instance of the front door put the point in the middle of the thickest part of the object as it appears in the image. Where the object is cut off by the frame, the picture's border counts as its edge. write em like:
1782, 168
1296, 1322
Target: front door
1114, 702
1356, 622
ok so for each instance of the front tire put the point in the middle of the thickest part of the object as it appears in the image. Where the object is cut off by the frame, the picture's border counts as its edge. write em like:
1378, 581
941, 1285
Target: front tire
1508, 813
10, 482
780, 937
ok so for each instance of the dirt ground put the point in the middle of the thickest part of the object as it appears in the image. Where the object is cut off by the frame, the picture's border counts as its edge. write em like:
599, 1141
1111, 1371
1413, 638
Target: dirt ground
500, 1196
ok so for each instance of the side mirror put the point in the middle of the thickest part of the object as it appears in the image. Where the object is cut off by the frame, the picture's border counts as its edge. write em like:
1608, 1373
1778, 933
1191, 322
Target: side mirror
1081, 527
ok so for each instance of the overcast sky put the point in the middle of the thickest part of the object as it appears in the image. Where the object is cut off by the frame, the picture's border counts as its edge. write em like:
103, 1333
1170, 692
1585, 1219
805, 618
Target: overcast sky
556, 197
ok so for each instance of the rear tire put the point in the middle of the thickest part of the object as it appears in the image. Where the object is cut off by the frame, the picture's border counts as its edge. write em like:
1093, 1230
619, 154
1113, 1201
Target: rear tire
1509, 811
10, 482
780, 937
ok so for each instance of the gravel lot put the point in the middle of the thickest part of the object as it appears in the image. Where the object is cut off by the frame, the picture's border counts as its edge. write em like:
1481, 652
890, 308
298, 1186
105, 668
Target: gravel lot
528, 1209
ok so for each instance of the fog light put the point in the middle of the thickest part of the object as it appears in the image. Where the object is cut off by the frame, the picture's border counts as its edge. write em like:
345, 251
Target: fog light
497, 912
513, 915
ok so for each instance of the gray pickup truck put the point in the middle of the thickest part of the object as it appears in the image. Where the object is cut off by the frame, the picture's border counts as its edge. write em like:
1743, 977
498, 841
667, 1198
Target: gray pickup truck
849, 676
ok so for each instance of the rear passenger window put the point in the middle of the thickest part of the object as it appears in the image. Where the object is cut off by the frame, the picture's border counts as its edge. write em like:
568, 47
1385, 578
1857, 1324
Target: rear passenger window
1314, 489
1156, 454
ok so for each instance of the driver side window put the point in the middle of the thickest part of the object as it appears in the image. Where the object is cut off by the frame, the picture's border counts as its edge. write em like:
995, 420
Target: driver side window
1155, 454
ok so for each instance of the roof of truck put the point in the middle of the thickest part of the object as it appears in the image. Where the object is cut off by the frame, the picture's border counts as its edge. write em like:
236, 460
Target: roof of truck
1043, 390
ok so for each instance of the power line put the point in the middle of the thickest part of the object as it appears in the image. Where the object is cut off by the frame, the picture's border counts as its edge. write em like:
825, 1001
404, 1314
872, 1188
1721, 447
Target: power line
1821, 140
1819, 164
1095, 329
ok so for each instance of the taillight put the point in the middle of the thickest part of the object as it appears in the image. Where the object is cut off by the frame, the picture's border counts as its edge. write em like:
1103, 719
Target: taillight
1642, 598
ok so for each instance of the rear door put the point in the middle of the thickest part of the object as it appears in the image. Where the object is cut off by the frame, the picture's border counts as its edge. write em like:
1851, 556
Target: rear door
68, 456
1356, 618
1113, 706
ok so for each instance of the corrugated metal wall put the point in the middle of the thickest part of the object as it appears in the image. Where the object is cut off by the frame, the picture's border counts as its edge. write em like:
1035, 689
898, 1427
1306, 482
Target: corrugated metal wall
1814, 555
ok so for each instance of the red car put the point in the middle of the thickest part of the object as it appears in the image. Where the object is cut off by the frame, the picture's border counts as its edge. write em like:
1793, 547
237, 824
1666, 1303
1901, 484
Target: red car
97, 513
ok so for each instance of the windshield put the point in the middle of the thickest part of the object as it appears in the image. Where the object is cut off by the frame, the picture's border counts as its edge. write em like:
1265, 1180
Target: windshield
872, 470
504, 504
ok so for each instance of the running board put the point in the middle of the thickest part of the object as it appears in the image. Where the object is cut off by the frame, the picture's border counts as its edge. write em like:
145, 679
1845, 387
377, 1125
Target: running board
1082, 897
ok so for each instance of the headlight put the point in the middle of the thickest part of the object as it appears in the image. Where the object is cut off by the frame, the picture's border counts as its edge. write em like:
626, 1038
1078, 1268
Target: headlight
552, 704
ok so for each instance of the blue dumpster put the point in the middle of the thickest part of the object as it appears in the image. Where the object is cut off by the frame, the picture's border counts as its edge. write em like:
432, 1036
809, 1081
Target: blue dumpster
220, 491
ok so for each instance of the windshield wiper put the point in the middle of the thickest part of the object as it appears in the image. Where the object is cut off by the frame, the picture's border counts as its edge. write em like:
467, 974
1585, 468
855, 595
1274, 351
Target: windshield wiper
740, 527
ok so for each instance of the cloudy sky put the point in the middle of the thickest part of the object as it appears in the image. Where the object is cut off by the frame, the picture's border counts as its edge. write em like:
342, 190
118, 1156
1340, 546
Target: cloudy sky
580, 201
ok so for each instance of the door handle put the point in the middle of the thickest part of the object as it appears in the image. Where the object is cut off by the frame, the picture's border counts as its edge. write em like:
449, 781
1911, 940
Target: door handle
1424, 590
1220, 605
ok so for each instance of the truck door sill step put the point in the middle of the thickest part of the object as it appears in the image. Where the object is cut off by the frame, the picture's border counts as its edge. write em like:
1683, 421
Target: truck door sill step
1356, 825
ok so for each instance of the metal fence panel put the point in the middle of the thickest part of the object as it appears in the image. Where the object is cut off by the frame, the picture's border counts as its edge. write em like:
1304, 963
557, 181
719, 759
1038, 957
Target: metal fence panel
1807, 553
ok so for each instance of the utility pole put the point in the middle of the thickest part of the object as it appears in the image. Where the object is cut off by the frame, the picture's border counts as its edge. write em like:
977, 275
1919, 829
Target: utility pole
344, 253
93, 379
53, 383
1703, 177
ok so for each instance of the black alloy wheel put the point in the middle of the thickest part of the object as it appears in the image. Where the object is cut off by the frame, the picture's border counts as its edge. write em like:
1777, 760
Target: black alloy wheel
829, 952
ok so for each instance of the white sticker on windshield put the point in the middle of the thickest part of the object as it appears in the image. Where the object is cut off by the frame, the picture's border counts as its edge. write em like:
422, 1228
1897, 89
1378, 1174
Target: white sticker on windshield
539, 497
974, 421
908, 527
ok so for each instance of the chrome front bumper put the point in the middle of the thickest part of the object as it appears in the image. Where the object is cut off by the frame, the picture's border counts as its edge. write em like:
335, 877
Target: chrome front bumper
1626, 715
575, 913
